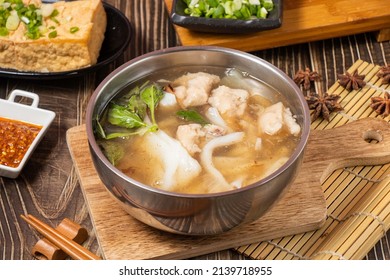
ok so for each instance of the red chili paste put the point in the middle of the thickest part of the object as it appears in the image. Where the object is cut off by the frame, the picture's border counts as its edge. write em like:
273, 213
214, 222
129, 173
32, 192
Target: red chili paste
15, 139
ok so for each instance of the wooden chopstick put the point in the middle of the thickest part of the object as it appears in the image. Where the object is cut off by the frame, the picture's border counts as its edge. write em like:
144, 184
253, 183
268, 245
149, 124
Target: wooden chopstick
73, 249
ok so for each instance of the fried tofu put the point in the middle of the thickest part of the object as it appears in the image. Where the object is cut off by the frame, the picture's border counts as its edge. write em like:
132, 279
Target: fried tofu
79, 33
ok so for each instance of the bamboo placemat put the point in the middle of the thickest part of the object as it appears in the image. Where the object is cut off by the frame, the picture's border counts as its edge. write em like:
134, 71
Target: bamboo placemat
358, 199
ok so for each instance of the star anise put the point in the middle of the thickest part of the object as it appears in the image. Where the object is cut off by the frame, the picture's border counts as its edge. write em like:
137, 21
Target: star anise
352, 81
305, 77
384, 73
323, 105
381, 105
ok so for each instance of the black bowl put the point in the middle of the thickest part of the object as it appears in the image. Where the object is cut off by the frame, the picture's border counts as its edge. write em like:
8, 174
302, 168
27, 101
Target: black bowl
228, 26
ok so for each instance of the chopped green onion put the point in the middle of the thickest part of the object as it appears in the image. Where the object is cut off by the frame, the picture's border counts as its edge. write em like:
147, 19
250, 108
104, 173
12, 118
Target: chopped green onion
12, 22
25, 19
262, 13
218, 12
246, 13
53, 34
47, 10
232, 9
3, 31
12, 12
74, 29
267, 4
53, 16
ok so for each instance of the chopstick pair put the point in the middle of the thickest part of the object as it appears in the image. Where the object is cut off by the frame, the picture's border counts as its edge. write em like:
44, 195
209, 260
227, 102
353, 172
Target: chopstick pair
73, 249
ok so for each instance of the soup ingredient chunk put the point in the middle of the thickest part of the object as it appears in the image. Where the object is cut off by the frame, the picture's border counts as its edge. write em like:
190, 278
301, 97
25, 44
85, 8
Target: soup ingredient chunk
215, 117
193, 136
206, 156
193, 89
169, 100
177, 166
213, 131
190, 136
291, 122
229, 101
272, 119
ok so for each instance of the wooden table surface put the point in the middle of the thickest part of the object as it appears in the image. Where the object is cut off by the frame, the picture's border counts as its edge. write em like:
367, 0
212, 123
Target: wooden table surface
49, 188
304, 21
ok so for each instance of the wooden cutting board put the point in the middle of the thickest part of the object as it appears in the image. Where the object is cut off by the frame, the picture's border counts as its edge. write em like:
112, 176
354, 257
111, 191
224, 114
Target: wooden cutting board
301, 209
303, 21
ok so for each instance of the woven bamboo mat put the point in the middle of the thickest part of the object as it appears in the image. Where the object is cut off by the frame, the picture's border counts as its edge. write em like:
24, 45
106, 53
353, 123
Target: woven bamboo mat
358, 198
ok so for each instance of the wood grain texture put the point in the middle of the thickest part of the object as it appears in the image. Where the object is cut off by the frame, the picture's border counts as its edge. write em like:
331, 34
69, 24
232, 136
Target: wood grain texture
301, 209
49, 188
383, 35
123, 237
357, 198
303, 21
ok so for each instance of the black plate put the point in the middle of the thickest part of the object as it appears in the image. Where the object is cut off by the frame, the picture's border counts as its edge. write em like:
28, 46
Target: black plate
229, 26
117, 37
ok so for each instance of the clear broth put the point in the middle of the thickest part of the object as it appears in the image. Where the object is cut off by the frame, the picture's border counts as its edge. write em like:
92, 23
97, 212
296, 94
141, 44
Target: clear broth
238, 163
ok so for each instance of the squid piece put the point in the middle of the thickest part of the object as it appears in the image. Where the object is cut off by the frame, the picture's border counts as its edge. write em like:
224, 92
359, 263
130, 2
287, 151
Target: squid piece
178, 166
206, 156
213, 115
291, 122
168, 100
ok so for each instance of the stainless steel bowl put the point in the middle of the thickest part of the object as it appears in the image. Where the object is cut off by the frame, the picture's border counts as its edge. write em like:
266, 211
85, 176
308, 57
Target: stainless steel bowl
200, 214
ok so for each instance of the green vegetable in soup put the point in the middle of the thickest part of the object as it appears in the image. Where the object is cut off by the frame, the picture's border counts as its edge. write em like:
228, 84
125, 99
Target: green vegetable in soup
128, 113
123, 117
191, 116
137, 106
232, 9
151, 96
113, 151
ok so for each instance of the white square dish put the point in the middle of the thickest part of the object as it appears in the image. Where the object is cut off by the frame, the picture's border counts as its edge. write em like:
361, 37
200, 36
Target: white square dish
31, 114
